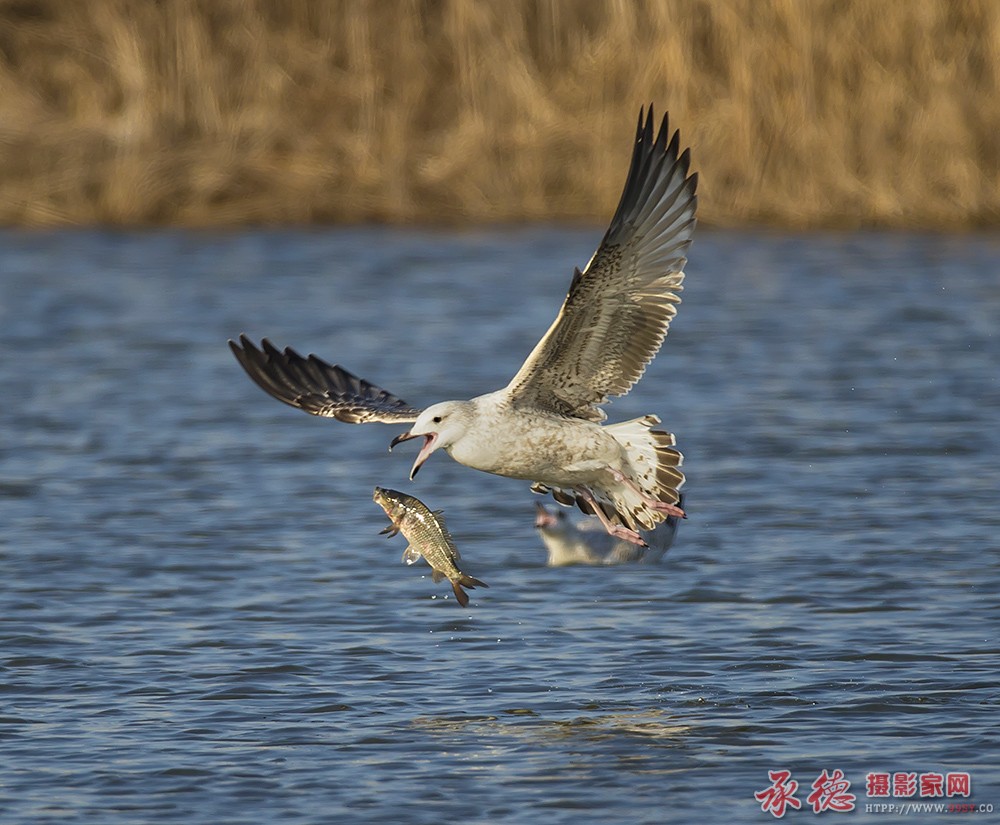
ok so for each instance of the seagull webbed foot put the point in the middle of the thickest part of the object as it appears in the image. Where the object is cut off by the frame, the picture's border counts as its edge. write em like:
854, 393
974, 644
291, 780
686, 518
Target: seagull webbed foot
616, 530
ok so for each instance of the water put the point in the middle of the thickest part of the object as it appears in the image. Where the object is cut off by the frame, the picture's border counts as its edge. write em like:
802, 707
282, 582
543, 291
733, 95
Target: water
200, 624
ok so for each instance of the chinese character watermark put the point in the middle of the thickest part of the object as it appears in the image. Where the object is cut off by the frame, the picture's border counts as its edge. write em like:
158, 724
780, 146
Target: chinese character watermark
831, 791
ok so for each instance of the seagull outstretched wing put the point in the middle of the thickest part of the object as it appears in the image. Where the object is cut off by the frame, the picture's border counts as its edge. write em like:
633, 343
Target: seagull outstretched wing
319, 388
618, 309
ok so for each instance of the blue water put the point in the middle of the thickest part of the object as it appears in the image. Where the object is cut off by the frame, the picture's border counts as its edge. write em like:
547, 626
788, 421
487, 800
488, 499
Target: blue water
200, 624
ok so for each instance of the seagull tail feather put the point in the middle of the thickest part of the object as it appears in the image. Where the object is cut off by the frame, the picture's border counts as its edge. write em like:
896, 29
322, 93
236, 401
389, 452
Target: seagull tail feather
655, 464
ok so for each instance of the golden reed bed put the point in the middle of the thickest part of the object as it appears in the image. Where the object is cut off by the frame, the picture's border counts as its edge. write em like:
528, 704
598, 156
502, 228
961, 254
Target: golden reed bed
801, 113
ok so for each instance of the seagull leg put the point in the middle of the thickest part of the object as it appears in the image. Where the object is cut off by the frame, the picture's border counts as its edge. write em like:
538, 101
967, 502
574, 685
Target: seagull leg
616, 530
656, 504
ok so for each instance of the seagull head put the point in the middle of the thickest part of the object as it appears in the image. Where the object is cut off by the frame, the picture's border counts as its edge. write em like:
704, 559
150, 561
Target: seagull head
441, 425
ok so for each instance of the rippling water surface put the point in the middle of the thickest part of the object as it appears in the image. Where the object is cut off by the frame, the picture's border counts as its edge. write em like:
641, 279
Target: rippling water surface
200, 624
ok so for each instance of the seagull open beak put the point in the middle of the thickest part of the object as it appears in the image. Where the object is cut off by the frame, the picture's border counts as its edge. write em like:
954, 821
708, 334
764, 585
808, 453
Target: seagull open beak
399, 439
430, 444
430, 441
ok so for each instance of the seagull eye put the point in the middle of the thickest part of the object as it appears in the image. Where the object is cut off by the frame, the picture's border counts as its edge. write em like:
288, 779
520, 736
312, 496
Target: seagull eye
437, 419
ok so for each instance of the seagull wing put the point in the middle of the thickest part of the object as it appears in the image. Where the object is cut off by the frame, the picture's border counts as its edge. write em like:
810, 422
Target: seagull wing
317, 387
618, 309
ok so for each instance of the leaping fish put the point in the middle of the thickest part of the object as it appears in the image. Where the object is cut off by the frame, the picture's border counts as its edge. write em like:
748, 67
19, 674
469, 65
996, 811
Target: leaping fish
428, 537
545, 425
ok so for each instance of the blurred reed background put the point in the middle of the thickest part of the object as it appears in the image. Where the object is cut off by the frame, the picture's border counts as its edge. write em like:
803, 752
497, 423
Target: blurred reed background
801, 113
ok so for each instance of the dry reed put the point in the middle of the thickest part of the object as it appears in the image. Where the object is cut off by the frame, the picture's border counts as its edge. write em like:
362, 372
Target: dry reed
800, 112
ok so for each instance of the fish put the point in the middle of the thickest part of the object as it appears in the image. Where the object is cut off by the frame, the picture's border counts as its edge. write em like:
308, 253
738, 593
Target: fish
428, 536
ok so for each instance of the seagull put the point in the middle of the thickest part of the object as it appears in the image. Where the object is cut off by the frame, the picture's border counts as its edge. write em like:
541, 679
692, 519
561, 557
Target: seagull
546, 425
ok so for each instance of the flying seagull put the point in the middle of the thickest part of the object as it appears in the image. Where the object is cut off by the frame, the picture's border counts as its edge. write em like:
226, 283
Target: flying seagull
545, 425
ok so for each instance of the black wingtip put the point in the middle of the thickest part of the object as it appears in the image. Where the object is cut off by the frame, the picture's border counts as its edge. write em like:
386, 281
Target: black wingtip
243, 351
243, 343
647, 132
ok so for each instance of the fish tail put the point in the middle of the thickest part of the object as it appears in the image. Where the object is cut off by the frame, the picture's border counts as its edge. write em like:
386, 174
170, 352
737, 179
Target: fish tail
460, 594
465, 580
470, 582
